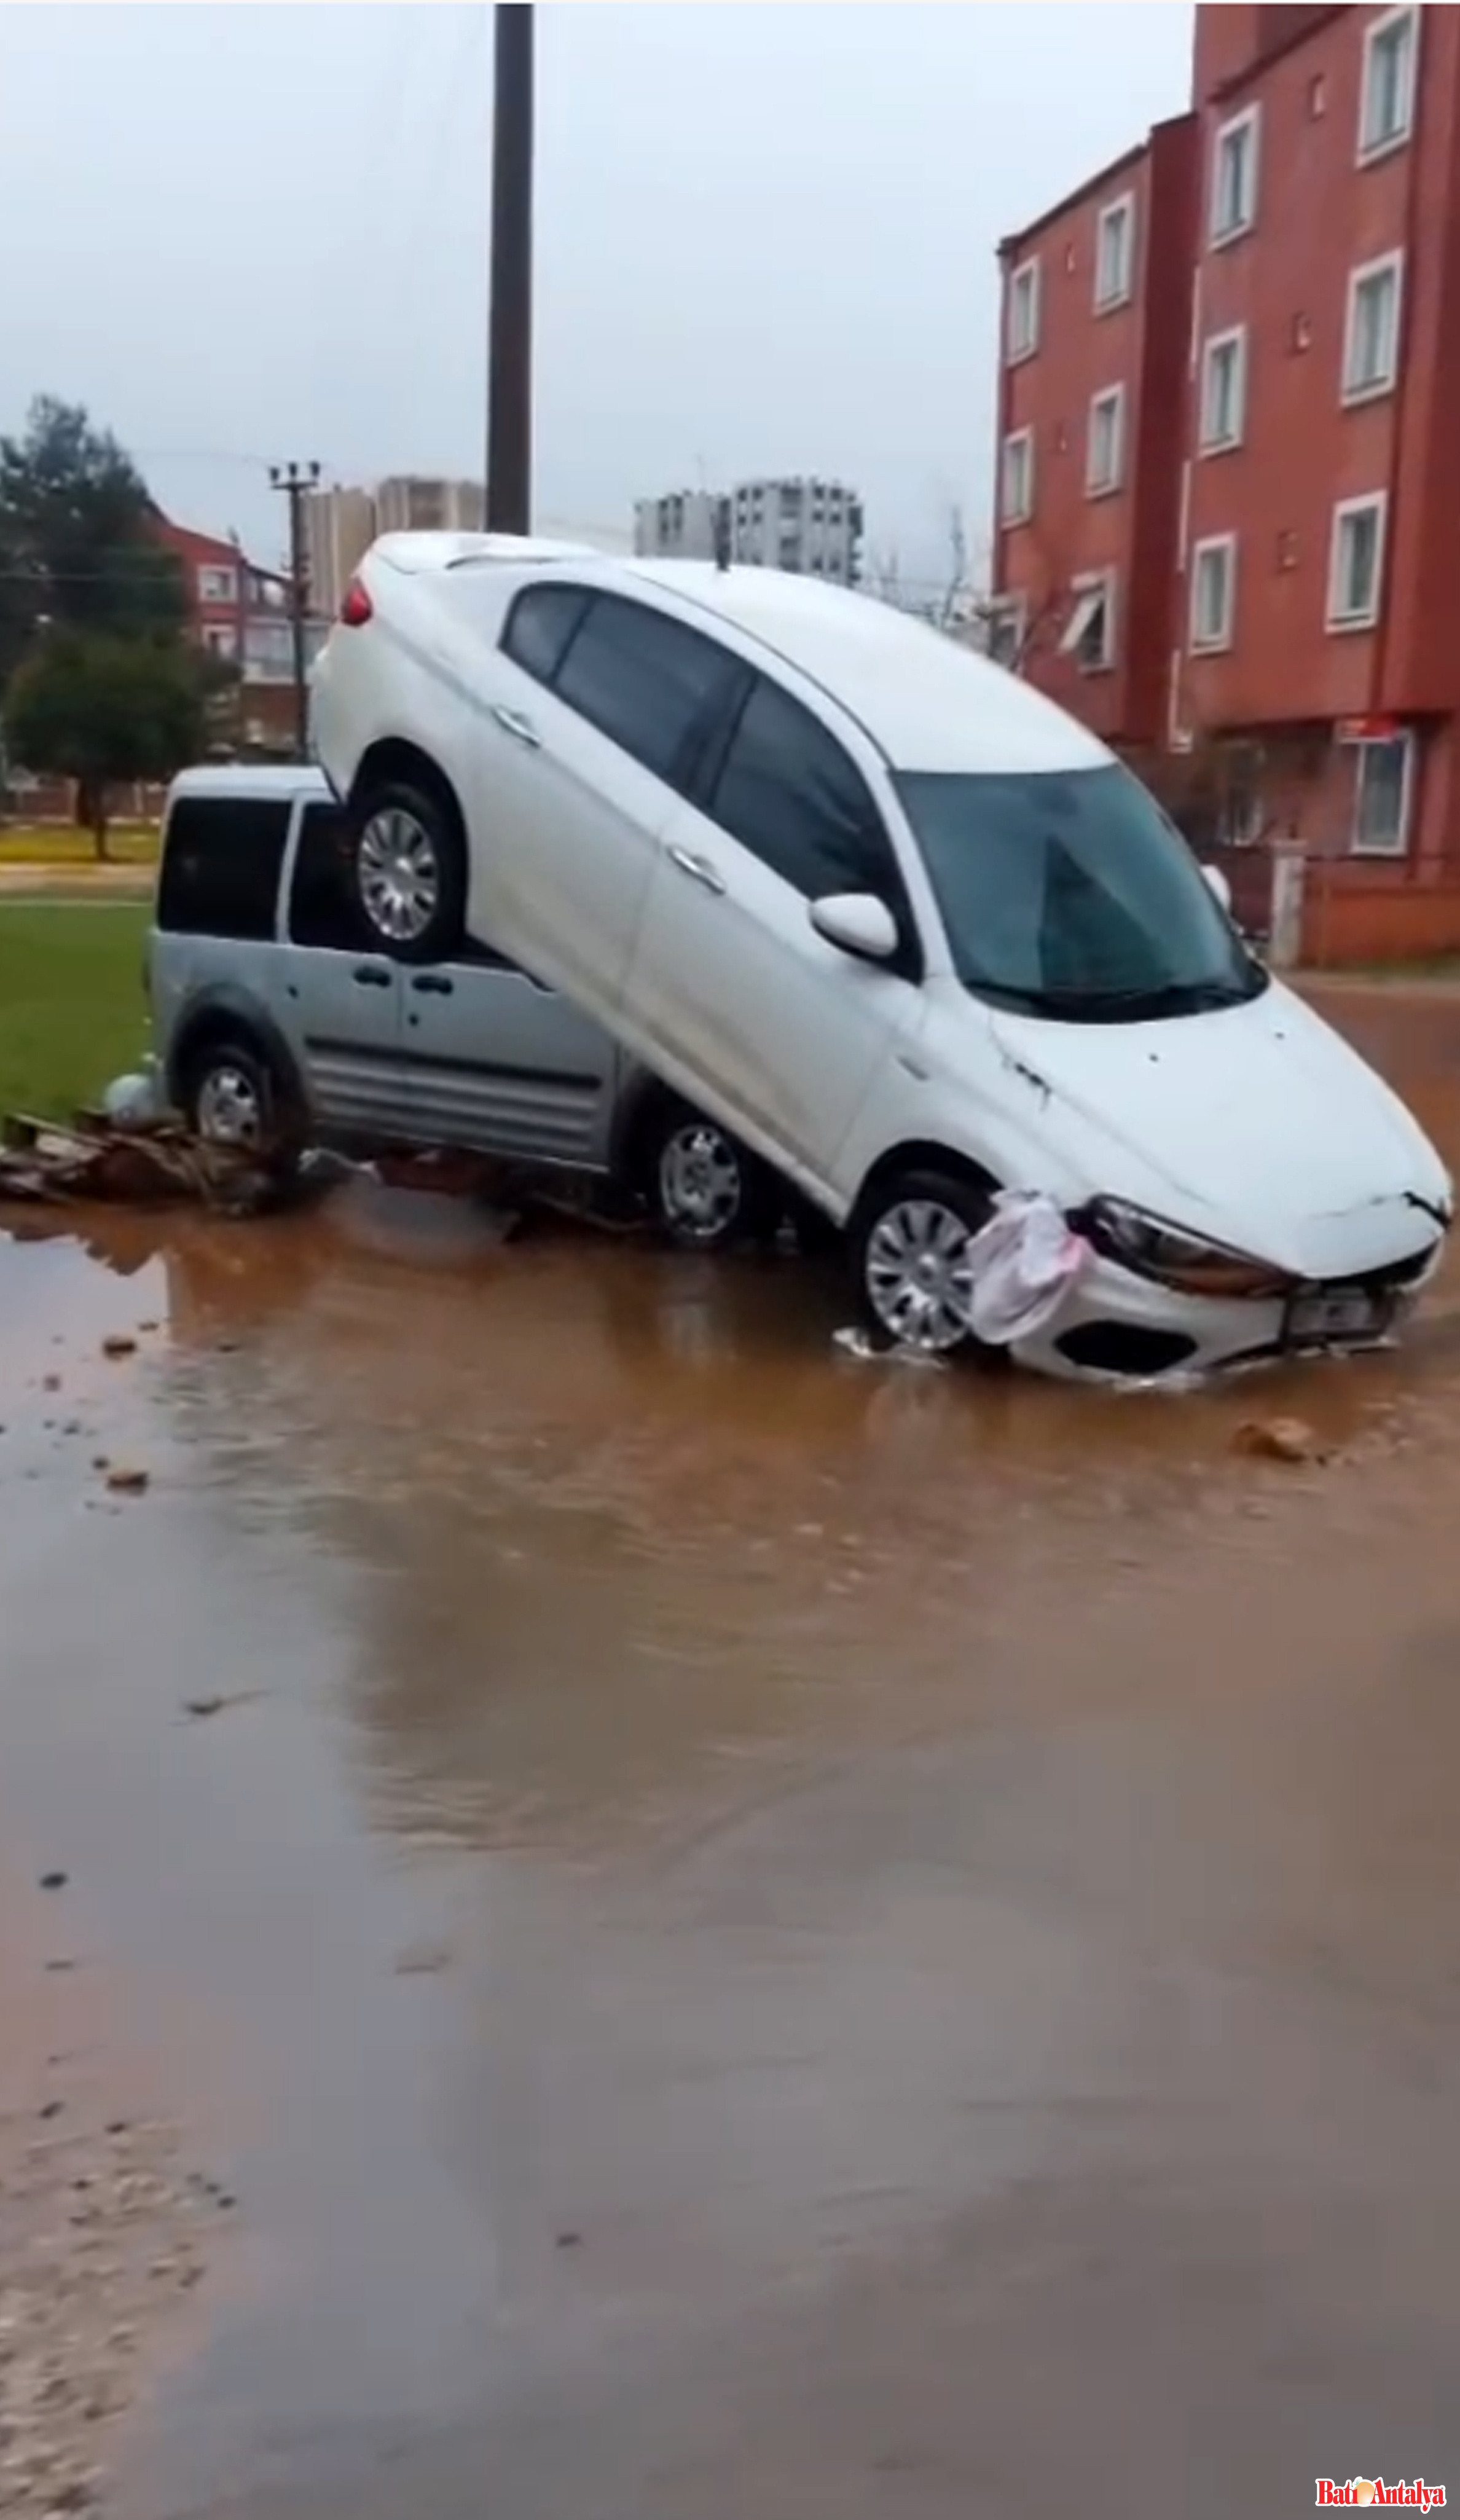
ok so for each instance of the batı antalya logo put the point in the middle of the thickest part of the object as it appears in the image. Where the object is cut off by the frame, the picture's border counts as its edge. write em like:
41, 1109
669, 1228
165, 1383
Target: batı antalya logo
1371, 2494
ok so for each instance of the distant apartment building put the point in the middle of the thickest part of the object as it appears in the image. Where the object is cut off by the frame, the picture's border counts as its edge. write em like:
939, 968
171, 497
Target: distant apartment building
811, 528
343, 523
1227, 523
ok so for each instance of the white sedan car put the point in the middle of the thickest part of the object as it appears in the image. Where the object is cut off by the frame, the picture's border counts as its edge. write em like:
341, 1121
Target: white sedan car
890, 918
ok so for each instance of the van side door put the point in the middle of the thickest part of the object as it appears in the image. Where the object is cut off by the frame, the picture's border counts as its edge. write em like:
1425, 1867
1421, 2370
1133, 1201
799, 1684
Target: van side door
342, 999
498, 1064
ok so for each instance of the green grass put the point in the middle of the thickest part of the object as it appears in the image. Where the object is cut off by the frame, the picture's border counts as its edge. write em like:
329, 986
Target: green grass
60, 844
71, 1010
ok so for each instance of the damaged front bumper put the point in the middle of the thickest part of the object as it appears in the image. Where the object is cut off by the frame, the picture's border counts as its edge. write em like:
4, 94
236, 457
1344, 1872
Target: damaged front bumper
1116, 1326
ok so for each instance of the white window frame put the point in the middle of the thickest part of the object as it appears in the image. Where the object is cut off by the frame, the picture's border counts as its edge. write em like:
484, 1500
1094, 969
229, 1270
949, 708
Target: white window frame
1025, 285
220, 639
1121, 209
1010, 516
1013, 611
1220, 641
1250, 119
1373, 389
1400, 846
1369, 151
214, 575
1090, 583
1340, 619
1235, 339
1104, 486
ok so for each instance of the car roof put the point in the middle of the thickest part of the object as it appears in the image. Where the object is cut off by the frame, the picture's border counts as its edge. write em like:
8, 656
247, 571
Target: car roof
929, 703
276, 779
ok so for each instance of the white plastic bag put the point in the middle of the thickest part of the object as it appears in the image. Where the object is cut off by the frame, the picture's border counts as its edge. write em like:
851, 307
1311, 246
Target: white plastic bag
1024, 1265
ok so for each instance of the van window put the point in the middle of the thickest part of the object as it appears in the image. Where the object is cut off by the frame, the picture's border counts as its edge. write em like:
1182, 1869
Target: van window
323, 905
646, 682
221, 865
788, 793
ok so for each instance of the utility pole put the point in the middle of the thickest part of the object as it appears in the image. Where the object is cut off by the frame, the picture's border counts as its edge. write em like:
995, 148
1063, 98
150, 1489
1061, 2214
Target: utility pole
509, 391
297, 480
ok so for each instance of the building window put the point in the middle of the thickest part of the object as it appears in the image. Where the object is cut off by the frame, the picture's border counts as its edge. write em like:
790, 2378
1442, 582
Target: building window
217, 586
1383, 781
1024, 312
1233, 176
1004, 625
1371, 334
1385, 111
1115, 254
1224, 390
1018, 477
1214, 594
1355, 575
1089, 635
1105, 443
220, 637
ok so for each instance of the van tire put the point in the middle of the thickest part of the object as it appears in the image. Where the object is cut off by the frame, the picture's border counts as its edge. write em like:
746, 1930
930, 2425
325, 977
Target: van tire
904, 1245
703, 1189
408, 869
231, 1096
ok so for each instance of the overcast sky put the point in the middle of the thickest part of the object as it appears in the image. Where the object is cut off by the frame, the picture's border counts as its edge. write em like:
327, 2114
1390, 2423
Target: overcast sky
765, 234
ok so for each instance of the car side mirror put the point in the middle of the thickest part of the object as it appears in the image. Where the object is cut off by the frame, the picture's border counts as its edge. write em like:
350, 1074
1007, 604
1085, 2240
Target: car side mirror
1216, 881
856, 923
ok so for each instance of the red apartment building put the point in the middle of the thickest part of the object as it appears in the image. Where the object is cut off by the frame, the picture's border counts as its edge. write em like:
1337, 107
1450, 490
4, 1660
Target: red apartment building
1228, 531
241, 614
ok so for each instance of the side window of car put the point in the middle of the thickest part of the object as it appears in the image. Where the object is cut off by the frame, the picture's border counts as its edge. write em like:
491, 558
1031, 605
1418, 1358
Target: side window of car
323, 907
788, 793
539, 626
648, 684
222, 863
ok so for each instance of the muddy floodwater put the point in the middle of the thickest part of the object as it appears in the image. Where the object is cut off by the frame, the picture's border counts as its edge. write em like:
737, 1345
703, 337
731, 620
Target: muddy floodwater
755, 1936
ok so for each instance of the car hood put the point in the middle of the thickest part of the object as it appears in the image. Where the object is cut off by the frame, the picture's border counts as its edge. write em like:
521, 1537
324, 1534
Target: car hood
1256, 1124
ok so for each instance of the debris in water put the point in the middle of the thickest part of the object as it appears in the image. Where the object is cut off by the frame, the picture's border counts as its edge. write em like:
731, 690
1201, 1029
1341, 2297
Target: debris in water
125, 1482
54, 1880
118, 1344
1278, 1439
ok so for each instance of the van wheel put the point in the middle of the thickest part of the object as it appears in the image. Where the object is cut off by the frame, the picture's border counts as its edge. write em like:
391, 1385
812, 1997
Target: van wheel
409, 871
703, 1188
909, 1247
231, 1096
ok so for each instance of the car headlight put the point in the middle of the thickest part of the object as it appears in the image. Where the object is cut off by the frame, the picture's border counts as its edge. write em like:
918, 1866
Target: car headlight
1169, 1256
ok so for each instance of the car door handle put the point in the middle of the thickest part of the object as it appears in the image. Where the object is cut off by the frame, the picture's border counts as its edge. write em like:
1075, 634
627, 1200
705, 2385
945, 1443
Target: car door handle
513, 723
699, 870
372, 975
431, 985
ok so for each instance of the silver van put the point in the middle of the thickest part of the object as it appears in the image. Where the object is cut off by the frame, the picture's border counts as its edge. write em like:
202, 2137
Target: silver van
276, 1018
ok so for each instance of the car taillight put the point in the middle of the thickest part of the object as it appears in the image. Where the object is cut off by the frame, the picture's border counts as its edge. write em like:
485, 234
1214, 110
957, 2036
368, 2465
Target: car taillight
357, 608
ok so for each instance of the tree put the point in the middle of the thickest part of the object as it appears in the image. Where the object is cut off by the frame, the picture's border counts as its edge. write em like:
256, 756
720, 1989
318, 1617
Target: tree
78, 545
103, 710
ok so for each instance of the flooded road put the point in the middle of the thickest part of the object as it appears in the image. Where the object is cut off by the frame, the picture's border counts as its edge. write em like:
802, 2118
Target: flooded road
756, 1935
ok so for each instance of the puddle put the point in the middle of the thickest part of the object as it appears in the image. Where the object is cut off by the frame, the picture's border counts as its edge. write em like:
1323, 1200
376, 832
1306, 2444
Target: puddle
750, 1929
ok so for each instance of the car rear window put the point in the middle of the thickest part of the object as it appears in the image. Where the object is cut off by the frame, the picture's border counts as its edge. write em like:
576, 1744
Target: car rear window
222, 863
648, 684
539, 626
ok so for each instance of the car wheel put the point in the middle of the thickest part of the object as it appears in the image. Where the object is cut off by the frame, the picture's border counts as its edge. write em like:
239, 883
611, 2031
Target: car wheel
703, 1188
231, 1096
909, 1254
410, 871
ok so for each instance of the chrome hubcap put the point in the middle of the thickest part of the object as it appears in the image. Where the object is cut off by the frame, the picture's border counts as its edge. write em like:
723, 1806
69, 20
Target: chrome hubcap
919, 1281
698, 1181
228, 1109
398, 876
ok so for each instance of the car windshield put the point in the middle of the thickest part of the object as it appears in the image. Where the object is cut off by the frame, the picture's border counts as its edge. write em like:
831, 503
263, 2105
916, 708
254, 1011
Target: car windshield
1068, 894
